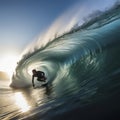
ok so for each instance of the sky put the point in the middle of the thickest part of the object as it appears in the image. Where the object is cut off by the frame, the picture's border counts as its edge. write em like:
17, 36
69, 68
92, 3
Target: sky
22, 20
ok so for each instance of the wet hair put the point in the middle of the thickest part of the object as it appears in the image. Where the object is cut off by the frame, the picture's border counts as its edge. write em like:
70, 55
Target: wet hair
34, 70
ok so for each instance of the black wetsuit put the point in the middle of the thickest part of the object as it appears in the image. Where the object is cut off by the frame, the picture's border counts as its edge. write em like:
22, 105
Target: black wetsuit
40, 76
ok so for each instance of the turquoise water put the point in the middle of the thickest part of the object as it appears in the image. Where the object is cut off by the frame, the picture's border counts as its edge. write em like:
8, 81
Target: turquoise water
83, 71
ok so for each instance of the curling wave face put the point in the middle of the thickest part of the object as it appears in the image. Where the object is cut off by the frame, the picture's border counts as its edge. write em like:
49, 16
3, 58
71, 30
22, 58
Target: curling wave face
84, 60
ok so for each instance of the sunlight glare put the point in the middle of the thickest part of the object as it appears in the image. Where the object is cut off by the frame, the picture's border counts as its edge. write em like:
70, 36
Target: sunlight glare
8, 63
21, 102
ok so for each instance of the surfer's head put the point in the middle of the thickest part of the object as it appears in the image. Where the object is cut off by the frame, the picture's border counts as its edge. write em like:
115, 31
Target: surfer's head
34, 71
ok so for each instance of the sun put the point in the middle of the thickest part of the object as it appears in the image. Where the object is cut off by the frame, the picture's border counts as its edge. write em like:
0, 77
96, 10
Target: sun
8, 63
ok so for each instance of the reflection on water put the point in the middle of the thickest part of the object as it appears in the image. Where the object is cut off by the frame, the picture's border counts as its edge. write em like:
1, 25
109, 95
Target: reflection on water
21, 102
28, 99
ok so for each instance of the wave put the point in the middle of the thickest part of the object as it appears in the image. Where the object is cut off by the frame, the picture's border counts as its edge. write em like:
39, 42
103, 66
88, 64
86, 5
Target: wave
84, 60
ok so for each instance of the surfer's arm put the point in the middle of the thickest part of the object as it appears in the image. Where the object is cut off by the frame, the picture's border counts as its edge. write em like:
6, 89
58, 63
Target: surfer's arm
33, 81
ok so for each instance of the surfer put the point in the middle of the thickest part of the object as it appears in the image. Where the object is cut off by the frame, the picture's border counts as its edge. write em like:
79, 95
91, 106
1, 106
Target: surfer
40, 76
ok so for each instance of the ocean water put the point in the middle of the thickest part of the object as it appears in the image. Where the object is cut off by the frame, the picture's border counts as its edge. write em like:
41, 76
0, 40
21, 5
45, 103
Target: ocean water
83, 72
